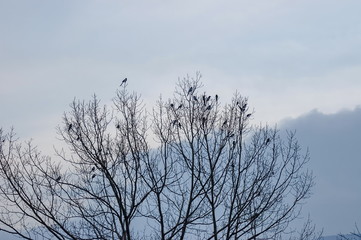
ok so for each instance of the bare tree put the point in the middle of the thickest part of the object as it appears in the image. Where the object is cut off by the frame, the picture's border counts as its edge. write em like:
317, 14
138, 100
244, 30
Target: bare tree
211, 175
355, 235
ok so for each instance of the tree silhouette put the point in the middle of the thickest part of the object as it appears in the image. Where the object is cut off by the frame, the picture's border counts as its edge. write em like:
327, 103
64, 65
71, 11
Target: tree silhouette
196, 171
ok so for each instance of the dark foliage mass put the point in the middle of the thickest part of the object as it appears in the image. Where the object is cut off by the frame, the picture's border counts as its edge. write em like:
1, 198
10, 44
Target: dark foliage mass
193, 168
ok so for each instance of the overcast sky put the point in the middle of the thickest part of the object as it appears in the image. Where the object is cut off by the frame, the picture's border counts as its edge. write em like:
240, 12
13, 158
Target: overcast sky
299, 62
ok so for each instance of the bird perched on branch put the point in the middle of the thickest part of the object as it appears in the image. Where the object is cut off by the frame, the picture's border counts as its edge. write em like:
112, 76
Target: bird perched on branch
70, 126
190, 90
58, 179
124, 81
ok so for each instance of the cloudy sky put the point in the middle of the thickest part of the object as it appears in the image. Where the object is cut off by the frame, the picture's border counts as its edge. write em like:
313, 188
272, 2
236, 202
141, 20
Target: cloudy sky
299, 62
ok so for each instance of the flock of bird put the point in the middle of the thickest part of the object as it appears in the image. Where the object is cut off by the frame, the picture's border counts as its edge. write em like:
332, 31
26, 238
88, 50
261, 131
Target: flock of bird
194, 97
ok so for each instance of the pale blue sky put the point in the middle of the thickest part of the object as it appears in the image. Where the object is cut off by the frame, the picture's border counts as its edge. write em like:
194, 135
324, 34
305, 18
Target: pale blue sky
289, 57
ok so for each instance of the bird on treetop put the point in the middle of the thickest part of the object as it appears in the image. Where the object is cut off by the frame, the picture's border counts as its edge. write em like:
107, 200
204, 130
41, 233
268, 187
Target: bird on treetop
190, 90
204, 99
195, 98
124, 81
216, 98
70, 126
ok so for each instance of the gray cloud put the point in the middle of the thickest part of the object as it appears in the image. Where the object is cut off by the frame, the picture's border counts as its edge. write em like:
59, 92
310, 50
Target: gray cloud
334, 142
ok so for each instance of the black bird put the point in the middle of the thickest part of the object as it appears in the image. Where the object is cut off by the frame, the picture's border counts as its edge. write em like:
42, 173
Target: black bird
70, 126
93, 169
190, 90
180, 106
268, 141
58, 179
224, 123
248, 115
195, 98
209, 107
172, 105
208, 98
216, 98
243, 108
93, 176
124, 81
118, 126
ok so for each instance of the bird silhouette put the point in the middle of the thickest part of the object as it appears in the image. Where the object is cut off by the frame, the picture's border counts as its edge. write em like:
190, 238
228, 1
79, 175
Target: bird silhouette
70, 126
204, 120
118, 126
268, 141
208, 98
93, 169
180, 106
190, 90
216, 98
172, 105
195, 98
248, 115
93, 176
243, 108
124, 81
58, 179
